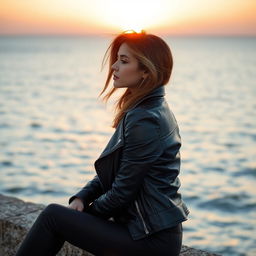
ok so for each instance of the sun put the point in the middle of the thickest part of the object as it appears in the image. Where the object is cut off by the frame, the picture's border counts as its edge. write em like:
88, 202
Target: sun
134, 15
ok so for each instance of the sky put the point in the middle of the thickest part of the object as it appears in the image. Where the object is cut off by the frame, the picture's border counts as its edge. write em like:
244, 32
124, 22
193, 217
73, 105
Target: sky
172, 17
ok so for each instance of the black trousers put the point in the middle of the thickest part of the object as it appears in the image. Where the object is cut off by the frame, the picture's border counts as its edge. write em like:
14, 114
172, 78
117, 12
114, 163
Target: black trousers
57, 224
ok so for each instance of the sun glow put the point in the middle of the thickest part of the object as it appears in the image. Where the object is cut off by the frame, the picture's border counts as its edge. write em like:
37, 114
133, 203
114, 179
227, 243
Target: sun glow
132, 15
113, 16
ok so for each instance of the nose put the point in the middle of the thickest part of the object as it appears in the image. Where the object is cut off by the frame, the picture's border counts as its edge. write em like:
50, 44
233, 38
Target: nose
114, 66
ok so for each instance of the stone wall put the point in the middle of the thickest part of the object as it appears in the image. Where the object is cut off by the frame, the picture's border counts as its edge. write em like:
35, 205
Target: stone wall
17, 216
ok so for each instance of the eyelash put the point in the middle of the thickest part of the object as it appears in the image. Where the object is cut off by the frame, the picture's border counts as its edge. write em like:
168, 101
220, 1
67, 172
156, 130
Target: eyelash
123, 61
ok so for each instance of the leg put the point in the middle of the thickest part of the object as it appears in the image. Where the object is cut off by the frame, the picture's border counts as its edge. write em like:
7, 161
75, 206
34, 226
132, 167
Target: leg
58, 223
42, 238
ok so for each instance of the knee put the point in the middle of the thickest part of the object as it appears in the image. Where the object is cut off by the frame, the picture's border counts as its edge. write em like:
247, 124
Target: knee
51, 209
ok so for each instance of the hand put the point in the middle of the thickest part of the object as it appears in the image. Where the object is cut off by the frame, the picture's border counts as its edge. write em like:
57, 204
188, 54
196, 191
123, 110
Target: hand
77, 204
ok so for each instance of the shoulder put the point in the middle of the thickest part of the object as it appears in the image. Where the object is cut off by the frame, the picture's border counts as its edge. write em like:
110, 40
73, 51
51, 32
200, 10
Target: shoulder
141, 115
141, 124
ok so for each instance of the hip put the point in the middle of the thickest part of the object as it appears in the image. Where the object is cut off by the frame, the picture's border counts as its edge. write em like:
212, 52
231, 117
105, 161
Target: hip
166, 242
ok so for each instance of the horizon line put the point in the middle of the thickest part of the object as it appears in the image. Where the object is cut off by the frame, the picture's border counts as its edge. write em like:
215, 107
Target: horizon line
114, 34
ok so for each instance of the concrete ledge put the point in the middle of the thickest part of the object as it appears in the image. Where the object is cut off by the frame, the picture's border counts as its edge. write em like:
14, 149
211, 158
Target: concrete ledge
17, 216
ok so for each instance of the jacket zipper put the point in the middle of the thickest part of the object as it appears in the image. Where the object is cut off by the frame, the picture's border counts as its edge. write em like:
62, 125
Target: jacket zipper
144, 224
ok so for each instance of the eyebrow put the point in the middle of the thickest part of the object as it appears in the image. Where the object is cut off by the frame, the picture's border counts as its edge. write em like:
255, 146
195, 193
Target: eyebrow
123, 55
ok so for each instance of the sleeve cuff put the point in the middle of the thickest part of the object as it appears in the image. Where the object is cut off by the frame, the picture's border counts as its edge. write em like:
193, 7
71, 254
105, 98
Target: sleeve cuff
71, 199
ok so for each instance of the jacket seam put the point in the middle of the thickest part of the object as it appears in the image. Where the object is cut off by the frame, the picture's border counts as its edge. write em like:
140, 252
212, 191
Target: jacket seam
169, 133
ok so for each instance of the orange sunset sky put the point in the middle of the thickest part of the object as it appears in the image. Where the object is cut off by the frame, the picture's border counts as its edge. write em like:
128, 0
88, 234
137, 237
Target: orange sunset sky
174, 17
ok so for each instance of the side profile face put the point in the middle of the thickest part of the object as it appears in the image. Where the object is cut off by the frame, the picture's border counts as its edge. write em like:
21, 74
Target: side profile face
126, 69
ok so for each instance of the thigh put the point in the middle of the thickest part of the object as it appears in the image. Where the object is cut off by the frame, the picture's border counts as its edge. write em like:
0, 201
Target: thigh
93, 234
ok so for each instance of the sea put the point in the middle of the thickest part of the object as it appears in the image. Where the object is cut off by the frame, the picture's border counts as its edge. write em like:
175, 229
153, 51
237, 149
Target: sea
54, 125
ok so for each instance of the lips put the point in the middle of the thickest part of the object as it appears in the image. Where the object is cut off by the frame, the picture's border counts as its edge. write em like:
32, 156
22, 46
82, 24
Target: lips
115, 77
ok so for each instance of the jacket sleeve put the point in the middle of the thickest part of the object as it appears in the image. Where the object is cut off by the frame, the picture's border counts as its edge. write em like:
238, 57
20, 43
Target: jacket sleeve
89, 192
141, 149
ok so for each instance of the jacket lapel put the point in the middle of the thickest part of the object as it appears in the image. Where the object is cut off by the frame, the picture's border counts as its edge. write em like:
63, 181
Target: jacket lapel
115, 142
105, 165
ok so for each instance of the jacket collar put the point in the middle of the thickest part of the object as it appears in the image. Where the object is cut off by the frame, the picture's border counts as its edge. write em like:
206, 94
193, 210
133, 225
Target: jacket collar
157, 92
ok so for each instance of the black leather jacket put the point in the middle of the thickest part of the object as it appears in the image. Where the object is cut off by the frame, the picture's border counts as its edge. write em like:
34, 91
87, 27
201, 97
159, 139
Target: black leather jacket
136, 182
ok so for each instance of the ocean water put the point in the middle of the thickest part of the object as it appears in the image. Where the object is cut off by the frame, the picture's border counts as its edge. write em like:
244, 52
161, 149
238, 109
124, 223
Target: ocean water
53, 127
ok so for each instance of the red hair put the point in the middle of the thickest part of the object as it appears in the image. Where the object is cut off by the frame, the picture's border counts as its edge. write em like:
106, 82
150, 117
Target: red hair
153, 55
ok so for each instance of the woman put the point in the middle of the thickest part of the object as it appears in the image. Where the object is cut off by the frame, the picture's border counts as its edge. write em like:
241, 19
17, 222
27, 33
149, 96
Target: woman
132, 205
